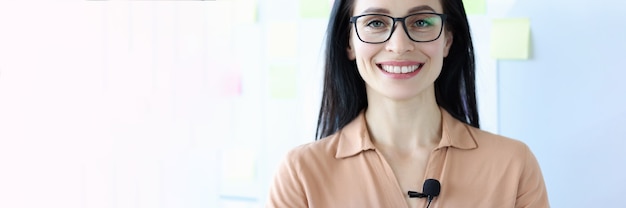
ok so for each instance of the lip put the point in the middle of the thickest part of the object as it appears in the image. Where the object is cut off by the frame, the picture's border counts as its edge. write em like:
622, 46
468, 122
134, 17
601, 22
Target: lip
400, 63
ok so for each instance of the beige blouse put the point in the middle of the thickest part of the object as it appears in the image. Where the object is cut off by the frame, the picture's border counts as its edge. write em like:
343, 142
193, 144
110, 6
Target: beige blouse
475, 169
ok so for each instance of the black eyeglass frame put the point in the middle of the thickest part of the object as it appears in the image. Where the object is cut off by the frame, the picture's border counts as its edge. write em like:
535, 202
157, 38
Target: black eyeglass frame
393, 27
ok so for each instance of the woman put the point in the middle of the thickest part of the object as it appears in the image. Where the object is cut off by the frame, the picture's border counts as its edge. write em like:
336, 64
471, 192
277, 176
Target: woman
398, 108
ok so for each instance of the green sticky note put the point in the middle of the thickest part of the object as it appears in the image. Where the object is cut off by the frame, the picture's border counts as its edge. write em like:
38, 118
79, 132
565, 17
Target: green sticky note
510, 38
475, 6
314, 8
283, 83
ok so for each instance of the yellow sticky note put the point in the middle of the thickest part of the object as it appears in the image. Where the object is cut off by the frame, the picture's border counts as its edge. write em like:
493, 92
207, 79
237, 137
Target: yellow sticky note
282, 40
510, 38
245, 11
283, 83
314, 8
475, 6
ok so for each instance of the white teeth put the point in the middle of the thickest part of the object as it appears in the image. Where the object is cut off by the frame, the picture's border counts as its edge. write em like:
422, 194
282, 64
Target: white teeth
405, 69
399, 69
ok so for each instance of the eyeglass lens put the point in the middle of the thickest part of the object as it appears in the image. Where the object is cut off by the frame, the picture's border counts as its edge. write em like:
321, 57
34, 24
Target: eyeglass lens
377, 28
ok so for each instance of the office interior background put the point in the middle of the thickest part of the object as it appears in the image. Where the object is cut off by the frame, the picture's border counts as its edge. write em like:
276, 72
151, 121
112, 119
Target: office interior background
148, 104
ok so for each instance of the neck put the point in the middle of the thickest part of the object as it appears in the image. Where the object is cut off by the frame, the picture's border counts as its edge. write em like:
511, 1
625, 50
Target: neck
407, 124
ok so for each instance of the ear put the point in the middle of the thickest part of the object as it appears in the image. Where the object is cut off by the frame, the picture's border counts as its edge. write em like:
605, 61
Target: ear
350, 51
448, 43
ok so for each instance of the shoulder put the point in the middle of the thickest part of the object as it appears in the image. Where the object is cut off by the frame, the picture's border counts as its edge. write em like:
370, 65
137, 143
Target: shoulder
510, 161
513, 157
497, 148
296, 175
346, 142
487, 139
467, 137
313, 152
520, 163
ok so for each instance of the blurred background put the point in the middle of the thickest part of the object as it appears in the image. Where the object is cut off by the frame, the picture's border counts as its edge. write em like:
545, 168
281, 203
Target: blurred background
148, 104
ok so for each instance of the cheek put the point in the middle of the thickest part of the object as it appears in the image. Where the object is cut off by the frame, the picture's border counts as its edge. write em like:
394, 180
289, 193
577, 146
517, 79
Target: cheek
365, 58
364, 51
436, 50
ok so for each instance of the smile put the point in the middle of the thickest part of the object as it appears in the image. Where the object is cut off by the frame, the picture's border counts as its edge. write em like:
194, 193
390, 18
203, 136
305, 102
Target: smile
399, 69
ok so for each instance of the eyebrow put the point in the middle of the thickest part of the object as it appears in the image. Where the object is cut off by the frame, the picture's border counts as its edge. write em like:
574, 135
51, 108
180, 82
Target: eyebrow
386, 11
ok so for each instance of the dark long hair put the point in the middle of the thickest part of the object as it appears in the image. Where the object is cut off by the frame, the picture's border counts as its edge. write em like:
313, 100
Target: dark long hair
344, 97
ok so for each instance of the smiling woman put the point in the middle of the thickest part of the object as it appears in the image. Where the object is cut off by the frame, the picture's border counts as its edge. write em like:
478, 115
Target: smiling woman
399, 108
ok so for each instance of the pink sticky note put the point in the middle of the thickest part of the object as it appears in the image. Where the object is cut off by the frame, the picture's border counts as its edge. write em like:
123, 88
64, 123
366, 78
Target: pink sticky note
231, 84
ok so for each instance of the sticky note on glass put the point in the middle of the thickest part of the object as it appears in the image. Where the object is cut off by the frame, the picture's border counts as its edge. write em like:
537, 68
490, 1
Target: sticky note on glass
510, 38
245, 11
282, 40
475, 6
314, 8
283, 82
231, 84
238, 165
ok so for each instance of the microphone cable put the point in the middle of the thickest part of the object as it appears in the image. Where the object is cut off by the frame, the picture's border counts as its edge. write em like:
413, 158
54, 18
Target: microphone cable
430, 199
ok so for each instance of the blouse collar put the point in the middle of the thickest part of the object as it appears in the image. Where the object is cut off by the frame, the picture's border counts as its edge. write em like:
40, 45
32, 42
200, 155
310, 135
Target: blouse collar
354, 137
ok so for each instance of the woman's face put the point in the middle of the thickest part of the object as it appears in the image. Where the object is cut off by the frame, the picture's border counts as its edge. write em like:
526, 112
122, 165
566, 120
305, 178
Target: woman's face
399, 68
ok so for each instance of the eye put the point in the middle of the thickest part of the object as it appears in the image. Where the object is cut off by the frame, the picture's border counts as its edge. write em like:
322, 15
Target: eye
422, 23
375, 23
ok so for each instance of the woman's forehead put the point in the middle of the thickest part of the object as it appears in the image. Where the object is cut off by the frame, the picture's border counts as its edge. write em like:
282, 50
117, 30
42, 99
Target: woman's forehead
396, 7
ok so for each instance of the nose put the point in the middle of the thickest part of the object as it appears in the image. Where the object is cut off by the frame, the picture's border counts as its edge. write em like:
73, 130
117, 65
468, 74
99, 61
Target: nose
399, 42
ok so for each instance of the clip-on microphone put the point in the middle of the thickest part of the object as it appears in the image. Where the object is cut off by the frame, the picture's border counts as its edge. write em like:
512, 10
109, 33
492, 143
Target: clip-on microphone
431, 189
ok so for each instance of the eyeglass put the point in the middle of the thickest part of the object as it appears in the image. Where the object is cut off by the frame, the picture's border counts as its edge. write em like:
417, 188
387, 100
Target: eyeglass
378, 28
